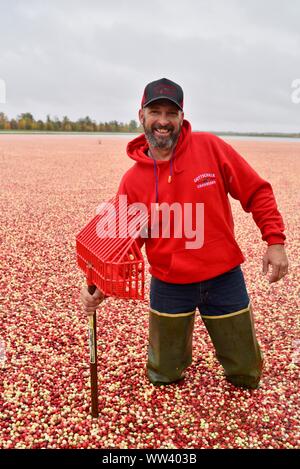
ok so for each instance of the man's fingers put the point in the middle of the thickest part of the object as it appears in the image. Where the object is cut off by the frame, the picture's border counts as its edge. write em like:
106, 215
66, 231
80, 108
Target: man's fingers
91, 305
86, 297
90, 308
275, 274
98, 294
283, 271
278, 272
91, 302
89, 313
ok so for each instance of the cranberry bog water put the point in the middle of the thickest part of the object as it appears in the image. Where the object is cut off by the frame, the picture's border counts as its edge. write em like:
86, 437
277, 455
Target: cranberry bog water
51, 187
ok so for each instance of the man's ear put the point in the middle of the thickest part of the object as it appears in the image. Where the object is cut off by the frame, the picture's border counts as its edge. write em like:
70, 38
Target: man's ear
141, 116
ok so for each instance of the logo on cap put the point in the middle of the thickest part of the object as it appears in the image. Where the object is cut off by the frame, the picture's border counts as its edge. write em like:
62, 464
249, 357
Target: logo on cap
168, 90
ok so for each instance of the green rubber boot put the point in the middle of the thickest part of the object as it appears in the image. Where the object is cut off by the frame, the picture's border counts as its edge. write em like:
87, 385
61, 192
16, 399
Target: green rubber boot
170, 346
237, 349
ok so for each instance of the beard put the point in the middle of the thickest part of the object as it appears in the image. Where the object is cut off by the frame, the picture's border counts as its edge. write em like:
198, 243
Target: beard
164, 141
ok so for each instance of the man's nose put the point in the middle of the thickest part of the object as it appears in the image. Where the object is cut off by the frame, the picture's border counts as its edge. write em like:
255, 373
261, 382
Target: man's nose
163, 119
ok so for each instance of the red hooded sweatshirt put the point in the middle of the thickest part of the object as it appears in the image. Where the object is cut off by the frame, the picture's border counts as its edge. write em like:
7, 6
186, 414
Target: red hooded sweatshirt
203, 169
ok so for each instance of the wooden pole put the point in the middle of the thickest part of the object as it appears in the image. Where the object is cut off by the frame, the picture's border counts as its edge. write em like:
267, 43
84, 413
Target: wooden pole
93, 351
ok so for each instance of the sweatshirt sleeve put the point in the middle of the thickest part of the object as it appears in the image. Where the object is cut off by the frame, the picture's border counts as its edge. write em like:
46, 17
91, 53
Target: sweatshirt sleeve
122, 190
255, 195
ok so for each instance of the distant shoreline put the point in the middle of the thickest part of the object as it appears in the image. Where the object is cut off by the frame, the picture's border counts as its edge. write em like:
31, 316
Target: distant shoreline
257, 134
221, 133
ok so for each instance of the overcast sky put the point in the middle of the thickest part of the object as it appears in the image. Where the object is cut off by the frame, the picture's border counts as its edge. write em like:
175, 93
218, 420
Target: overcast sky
235, 59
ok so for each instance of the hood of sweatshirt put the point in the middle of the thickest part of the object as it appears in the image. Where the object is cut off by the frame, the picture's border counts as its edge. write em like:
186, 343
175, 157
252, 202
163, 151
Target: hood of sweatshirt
137, 150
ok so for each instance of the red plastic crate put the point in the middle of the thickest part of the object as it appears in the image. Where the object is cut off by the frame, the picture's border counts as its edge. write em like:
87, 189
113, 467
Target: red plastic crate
115, 265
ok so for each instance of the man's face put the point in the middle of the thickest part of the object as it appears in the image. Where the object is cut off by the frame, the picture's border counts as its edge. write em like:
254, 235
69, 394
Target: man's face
162, 121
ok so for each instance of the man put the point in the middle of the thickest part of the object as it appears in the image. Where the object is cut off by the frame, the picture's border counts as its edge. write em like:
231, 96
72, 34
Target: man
174, 164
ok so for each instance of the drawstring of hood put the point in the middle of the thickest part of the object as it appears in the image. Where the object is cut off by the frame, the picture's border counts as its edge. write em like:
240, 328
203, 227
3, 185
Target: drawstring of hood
156, 175
171, 169
156, 182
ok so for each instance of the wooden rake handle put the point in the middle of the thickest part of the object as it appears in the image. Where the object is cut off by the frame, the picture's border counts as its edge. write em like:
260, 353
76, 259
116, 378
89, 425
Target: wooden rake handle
93, 358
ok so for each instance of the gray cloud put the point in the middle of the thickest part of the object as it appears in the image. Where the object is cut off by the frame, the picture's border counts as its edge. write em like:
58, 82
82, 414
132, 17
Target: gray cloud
236, 60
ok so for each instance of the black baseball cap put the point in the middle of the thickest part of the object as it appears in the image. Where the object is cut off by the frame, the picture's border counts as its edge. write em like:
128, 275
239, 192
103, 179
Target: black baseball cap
163, 89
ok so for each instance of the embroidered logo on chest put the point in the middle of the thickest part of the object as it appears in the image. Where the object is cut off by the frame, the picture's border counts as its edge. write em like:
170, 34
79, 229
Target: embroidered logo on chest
205, 179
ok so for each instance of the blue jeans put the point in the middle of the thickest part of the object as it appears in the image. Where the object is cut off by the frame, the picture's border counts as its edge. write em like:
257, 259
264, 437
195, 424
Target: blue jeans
220, 295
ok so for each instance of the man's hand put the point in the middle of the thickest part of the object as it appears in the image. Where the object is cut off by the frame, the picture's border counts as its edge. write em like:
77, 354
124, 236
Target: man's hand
276, 257
91, 302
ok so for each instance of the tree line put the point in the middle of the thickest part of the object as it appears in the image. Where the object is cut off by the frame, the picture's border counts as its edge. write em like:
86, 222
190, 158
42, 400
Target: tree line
26, 121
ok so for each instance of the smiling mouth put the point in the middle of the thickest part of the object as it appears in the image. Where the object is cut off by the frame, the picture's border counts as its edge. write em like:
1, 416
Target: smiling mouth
162, 132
